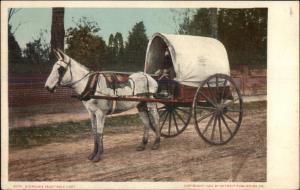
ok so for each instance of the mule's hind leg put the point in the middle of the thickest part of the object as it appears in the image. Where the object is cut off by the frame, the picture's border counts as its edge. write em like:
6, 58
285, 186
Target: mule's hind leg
142, 108
94, 130
154, 121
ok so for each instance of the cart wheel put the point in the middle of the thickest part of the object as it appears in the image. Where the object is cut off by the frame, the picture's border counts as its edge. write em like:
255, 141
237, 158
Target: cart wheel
218, 106
173, 119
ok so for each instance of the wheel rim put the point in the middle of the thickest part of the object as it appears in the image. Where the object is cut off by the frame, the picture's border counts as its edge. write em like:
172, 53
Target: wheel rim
173, 119
218, 109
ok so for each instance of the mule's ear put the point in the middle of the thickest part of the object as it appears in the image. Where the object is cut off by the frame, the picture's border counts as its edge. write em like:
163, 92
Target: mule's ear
57, 55
64, 56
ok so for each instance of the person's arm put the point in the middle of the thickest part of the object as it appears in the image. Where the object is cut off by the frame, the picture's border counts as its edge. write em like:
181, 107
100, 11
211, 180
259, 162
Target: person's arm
158, 72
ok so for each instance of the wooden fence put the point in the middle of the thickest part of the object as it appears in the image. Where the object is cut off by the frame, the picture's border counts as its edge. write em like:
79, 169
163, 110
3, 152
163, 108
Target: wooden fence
29, 90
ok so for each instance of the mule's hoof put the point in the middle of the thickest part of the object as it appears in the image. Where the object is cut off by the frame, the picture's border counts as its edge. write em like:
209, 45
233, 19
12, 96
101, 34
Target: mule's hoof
91, 156
155, 146
141, 147
96, 158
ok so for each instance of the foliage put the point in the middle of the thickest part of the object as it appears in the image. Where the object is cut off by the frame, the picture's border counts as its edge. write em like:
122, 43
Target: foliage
244, 34
136, 45
119, 44
200, 24
37, 52
85, 45
242, 31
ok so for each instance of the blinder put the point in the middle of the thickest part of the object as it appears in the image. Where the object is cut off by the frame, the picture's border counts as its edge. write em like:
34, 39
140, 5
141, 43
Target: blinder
62, 71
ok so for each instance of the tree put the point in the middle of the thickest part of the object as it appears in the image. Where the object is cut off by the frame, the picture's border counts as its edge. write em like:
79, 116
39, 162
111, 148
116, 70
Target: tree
244, 34
203, 23
37, 52
57, 29
85, 45
111, 42
14, 52
242, 31
11, 13
119, 44
135, 48
115, 50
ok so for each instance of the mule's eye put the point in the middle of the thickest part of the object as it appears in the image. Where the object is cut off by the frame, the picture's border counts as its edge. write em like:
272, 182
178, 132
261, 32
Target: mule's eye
61, 71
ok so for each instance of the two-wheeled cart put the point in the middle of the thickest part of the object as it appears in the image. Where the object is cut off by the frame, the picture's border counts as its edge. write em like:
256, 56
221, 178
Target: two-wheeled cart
201, 88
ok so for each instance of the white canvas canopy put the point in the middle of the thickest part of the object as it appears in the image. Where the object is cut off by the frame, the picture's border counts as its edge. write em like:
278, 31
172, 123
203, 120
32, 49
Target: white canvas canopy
194, 58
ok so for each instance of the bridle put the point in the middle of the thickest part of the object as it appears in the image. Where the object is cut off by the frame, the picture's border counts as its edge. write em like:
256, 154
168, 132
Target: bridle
62, 71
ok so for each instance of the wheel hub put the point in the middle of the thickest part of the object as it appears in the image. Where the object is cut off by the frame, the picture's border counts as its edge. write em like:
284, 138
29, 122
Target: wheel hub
219, 109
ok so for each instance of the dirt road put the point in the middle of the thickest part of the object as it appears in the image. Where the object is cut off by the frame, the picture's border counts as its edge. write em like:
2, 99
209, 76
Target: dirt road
183, 158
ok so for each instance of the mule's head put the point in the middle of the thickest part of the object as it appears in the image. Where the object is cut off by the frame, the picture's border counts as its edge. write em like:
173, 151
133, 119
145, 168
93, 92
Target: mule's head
59, 71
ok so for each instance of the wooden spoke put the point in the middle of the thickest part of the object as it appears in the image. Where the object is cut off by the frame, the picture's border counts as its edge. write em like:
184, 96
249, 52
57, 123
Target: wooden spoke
208, 124
224, 87
164, 121
217, 87
205, 116
210, 92
225, 123
220, 129
230, 118
207, 98
162, 113
170, 119
175, 122
182, 110
213, 129
206, 108
179, 116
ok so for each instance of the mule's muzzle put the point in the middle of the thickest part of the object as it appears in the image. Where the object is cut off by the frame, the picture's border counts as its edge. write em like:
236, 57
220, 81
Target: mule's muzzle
50, 89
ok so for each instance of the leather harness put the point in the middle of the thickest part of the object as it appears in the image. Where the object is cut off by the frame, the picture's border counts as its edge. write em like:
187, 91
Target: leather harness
112, 80
90, 87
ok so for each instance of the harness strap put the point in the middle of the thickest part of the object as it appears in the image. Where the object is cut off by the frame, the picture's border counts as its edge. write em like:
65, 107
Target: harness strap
113, 107
147, 83
110, 82
90, 87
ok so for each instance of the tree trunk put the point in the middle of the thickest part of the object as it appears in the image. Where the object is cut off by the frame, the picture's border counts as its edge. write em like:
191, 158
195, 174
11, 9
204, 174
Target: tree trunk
57, 30
213, 19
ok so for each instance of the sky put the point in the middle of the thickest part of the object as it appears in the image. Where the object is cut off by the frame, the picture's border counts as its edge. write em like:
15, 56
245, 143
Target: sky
110, 20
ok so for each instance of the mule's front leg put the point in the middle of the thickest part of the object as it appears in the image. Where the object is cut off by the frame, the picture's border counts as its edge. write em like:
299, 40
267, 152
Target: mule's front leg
94, 130
100, 118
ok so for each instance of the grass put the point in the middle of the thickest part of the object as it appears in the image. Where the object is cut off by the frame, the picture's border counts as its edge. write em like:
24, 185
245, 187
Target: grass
26, 137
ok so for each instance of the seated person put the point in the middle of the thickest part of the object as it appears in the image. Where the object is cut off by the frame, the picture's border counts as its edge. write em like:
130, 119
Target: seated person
165, 72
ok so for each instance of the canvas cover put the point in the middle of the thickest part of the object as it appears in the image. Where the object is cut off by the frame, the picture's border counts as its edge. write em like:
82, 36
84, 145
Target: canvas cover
194, 58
